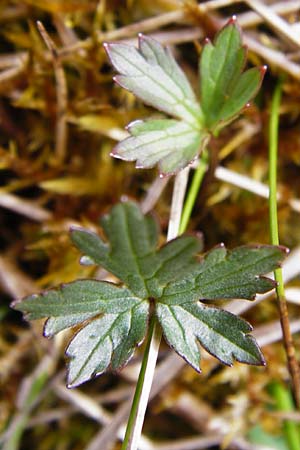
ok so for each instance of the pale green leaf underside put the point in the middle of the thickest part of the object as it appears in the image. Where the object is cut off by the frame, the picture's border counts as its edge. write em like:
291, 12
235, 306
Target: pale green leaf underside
106, 342
221, 333
224, 89
152, 74
170, 143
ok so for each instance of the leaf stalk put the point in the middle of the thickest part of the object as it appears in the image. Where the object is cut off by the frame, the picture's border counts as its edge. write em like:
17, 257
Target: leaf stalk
193, 191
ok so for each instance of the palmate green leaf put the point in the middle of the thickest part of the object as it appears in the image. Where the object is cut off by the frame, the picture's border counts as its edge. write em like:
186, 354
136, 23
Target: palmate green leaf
172, 279
153, 75
221, 333
225, 90
172, 144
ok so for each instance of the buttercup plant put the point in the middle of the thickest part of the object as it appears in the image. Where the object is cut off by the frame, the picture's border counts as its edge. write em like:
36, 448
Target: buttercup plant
163, 287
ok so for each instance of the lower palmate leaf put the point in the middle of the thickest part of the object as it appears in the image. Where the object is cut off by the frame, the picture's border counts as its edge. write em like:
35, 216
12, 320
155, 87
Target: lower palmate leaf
221, 333
173, 278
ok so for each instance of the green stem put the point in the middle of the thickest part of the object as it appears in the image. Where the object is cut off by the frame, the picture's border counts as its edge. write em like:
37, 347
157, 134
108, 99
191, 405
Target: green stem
142, 392
284, 402
282, 305
193, 191
273, 151
134, 427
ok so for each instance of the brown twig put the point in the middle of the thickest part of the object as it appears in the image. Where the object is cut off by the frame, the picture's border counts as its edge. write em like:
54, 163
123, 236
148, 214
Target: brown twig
274, 238
24, 207
289, 346
251, 18
280, 26
61, 133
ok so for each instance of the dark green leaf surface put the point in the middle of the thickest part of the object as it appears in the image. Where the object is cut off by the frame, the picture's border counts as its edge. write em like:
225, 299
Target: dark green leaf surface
221, 333
131, 238
226, 274
132, 255
172, 278
225, 90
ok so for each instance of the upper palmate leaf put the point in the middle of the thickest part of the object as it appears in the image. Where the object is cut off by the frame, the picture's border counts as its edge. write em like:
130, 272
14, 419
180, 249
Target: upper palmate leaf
172, 278
225, 90
152, 74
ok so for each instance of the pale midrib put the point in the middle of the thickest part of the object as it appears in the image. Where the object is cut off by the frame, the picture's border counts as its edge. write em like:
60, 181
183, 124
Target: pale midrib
178, 323
216, 80
134, 257
158, 62
100, 342
95, 303
154, 153
177, 101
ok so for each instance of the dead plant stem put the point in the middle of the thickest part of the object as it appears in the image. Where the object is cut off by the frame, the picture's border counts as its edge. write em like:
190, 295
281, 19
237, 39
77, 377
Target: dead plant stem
61, 131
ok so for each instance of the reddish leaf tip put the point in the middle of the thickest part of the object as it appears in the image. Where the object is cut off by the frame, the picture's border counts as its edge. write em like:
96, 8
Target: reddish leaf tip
263, 69
232, 20
284, 249
107, 46
114, 154
207, 41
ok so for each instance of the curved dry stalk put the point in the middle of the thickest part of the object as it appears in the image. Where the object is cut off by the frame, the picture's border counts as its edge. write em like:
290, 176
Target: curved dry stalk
61, 132
280, 26
24, 207
251, 18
